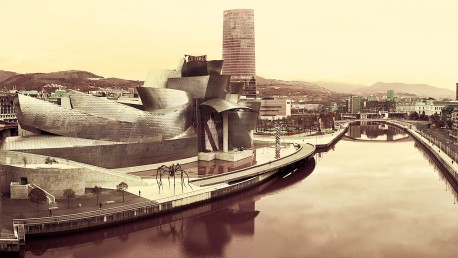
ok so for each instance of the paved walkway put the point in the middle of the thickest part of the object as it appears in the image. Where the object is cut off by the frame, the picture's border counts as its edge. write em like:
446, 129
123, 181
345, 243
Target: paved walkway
447, 159
315, 139
135, 194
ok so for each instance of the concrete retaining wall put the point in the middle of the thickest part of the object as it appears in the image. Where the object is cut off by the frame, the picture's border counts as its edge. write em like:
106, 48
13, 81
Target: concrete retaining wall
53, 180
19, 191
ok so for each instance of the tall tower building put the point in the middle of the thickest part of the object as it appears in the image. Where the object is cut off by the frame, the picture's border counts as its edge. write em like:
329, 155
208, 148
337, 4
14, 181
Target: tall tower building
239, 49
456, 92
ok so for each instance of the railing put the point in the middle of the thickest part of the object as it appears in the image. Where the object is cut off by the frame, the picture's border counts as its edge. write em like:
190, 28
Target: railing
429, 140
107, 216
51, 198
257, 166
78, 221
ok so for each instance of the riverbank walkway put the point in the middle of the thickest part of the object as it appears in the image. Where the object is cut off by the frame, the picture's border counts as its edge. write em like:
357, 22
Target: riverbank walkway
112, 199
445, 159
319, 141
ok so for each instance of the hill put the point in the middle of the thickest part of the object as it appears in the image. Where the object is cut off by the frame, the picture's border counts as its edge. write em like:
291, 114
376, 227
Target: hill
339, 87
72, 79
420, 90
4, 75
296, 90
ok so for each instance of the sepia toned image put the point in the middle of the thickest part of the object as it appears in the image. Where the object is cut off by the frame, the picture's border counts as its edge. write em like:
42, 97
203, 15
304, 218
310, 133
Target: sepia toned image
228, 128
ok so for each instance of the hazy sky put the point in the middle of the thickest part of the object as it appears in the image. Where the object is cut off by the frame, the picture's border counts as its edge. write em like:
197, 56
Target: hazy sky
355, 41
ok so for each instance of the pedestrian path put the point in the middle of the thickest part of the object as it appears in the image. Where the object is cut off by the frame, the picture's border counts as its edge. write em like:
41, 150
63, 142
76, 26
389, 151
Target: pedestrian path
324, 139
436, 149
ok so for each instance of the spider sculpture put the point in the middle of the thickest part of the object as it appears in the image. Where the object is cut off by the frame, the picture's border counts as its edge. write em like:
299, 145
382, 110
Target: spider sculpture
171, 171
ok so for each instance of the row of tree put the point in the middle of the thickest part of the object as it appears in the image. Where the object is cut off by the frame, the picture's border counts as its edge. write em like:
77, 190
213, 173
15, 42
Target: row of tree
436, 119
300, 123
37, 195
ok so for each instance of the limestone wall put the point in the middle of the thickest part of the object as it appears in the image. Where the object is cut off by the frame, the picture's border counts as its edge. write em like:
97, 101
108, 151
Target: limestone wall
53, 180
19, 191
57, 177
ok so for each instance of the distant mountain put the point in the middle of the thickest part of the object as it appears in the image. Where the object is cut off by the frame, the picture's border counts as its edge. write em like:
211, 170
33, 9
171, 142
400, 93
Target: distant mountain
4, 75
421, 90
339, 87
72, 79
296, 90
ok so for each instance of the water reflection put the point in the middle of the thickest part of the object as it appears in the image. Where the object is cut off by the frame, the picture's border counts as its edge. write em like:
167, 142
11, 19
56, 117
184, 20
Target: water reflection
200, 231
449, 182
375, 131
363, 199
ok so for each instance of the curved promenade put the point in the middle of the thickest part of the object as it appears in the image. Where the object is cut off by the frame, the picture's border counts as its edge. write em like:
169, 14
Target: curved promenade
438, 154
211, 188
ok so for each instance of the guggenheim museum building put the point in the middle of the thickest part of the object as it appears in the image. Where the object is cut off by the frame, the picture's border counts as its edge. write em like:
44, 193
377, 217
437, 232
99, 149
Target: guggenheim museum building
183, 112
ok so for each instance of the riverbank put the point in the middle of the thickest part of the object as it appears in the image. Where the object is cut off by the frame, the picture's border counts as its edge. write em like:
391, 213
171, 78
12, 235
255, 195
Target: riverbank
219, 187
436, 151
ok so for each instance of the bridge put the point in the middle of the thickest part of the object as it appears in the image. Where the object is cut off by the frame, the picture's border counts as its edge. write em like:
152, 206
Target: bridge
373, 115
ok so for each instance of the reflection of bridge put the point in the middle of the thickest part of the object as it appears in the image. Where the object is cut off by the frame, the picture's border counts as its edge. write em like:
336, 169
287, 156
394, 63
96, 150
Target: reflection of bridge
357, 127
378, 115
403, 139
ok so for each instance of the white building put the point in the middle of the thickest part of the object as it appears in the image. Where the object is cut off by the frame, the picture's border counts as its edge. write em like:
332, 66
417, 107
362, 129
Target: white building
431, 107
275, 108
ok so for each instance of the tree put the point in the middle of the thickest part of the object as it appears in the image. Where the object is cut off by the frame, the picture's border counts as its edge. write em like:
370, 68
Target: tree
96, 190
37, 196
50, 160
68, 193
423, 116
414, 116
122, 187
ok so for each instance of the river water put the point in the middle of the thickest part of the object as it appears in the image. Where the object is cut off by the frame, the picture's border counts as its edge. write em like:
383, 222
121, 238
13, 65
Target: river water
374, 194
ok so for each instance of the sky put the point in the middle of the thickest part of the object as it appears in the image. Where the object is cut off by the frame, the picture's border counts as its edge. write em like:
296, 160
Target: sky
356, 42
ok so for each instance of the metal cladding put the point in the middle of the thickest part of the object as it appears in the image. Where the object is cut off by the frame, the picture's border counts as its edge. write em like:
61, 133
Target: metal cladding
233, 97
221, 105
180, 116
156, 98
196, 86
240, 126
217, 85
157, 78
90, 124
235, 88
103, 107
194, 66
215, 67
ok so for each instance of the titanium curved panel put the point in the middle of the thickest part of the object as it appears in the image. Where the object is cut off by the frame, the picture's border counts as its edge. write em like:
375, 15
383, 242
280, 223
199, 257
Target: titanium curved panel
214, 67
240, 125
217, 85
157, 78
235, 88
154, 98
232, 97
21, 118
103, 107
57, 120
221, 105
196, 86
194, 68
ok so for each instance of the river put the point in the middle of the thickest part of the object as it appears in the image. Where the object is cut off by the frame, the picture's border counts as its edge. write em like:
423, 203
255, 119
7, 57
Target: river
374, 194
